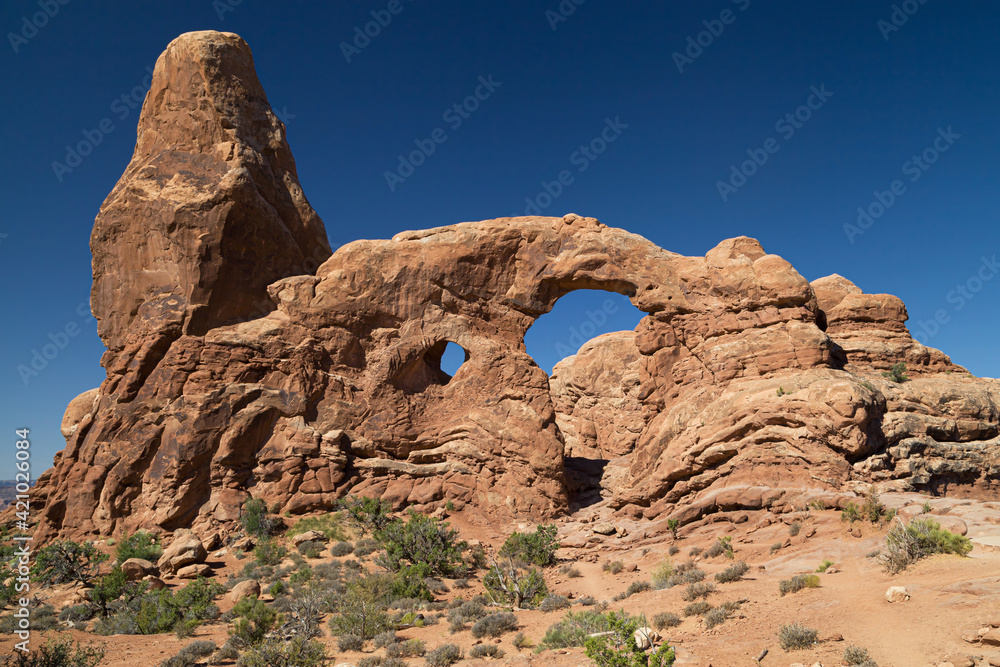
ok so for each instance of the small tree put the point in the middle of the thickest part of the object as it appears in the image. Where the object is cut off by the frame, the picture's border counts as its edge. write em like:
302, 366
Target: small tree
253, 621
139, 545
422, 540
362, 609
256, 519
68, 562
369, 515
538, 548
672, 526
619, 648
897, 373
513, 582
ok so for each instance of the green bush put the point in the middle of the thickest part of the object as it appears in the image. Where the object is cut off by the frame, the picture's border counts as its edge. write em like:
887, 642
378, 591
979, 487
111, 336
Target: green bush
422, 540
66, 562
361, 610
672, 526
797, 583
269, 552
494, 625
722, 546
444, 655
57, 653
256, 519
666, 619
796, 636
296, 652
369, 515
190, 654
138, 545
537, 548
521, 642
732, 573
508, 580
905, 545
619, 648
573, 629
252, 620
824, 566
897, 373
143, 612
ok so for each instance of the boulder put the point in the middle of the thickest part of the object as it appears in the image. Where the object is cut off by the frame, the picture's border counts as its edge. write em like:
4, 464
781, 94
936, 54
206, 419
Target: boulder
646, 637
896, 594
155, 583
137, 568
185, 549
194, 571
309, 536
245, 589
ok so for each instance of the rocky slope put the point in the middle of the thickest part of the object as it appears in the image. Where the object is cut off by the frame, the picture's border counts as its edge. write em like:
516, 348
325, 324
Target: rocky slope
234, 369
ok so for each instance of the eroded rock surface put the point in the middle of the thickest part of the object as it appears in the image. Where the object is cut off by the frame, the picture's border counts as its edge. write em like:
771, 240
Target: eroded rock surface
744, 385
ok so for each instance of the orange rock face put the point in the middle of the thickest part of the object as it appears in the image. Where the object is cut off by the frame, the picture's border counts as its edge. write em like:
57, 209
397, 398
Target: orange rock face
233, 370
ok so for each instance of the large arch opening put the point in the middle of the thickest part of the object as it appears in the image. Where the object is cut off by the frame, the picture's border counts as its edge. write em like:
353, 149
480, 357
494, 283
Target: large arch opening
594, 393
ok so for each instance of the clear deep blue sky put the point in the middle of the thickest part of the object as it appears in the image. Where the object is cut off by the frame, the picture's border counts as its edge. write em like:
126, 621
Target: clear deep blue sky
348, 122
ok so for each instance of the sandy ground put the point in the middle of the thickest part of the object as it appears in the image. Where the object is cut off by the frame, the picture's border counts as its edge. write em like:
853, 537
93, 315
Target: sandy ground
950, 595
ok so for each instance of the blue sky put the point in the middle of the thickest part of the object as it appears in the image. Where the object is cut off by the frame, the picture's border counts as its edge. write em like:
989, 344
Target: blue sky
868, 98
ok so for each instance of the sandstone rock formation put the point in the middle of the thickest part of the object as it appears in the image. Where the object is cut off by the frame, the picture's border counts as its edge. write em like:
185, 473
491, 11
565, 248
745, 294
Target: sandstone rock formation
744, 385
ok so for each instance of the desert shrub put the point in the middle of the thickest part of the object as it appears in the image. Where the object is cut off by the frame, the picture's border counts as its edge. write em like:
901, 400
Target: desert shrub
512, 582
570, 571
722, 546
274, 652
369, 515
411, 648
253, 620
486, 651
444, 655
715, 617
190, 654
364, 547
467, 612
856, 655
573, 629
797, 583
304, 611
66, 562
227, 652
341, 549
732, 573
661, 575
269, 552
699, 590
361, 610
537, 548
311, 548
795, 636
330, 525
143, 612
77, 613
904, 545
383, 639
688, 576
633, 588
554, 603
824, 566
619, 648
697, 608
794, 528
421, 540
896, 373
673, 549
613, 566
694, 552
926, 509
138, 545
776, 547
350, 643
588, 600
666, 619
850, 512
521, 641
256, 519
494, 625
56, 652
